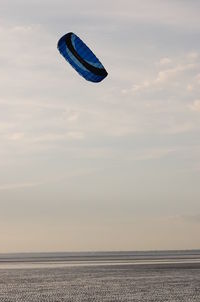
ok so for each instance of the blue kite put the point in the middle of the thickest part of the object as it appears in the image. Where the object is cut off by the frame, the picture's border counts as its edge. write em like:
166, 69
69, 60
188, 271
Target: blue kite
81, 58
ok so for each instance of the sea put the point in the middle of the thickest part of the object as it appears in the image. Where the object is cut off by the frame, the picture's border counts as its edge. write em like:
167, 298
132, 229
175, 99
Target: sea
153, 276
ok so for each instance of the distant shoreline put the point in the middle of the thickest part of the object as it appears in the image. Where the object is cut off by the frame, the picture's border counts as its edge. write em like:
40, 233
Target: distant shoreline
65, 259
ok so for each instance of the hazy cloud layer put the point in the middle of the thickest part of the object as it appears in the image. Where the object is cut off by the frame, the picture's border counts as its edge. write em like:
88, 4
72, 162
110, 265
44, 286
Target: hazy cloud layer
101, 159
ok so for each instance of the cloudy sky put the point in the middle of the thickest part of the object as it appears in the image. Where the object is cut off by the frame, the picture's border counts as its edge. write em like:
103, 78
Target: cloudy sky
108, 166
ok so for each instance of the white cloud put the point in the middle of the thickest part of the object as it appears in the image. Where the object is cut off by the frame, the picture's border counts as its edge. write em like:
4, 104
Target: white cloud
14, 186
171, 73
154, 153
165, 61
141, 86
55, 137
190, 87
16, 136
183, 127
165, 77
198, 78
162, 99
193, 55
195, 106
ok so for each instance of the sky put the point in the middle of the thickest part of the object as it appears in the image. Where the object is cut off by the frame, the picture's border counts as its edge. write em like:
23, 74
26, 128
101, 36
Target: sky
107, 166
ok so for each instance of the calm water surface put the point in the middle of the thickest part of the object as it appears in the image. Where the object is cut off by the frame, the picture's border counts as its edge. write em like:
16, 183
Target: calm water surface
124, 276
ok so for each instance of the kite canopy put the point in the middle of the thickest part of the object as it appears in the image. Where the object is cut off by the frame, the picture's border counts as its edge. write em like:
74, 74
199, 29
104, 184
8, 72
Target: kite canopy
82, 59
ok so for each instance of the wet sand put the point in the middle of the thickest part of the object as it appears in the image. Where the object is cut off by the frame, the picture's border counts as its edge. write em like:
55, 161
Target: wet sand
154, 282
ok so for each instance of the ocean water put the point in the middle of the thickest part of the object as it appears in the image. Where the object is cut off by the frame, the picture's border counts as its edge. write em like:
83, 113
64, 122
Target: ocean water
105, 276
